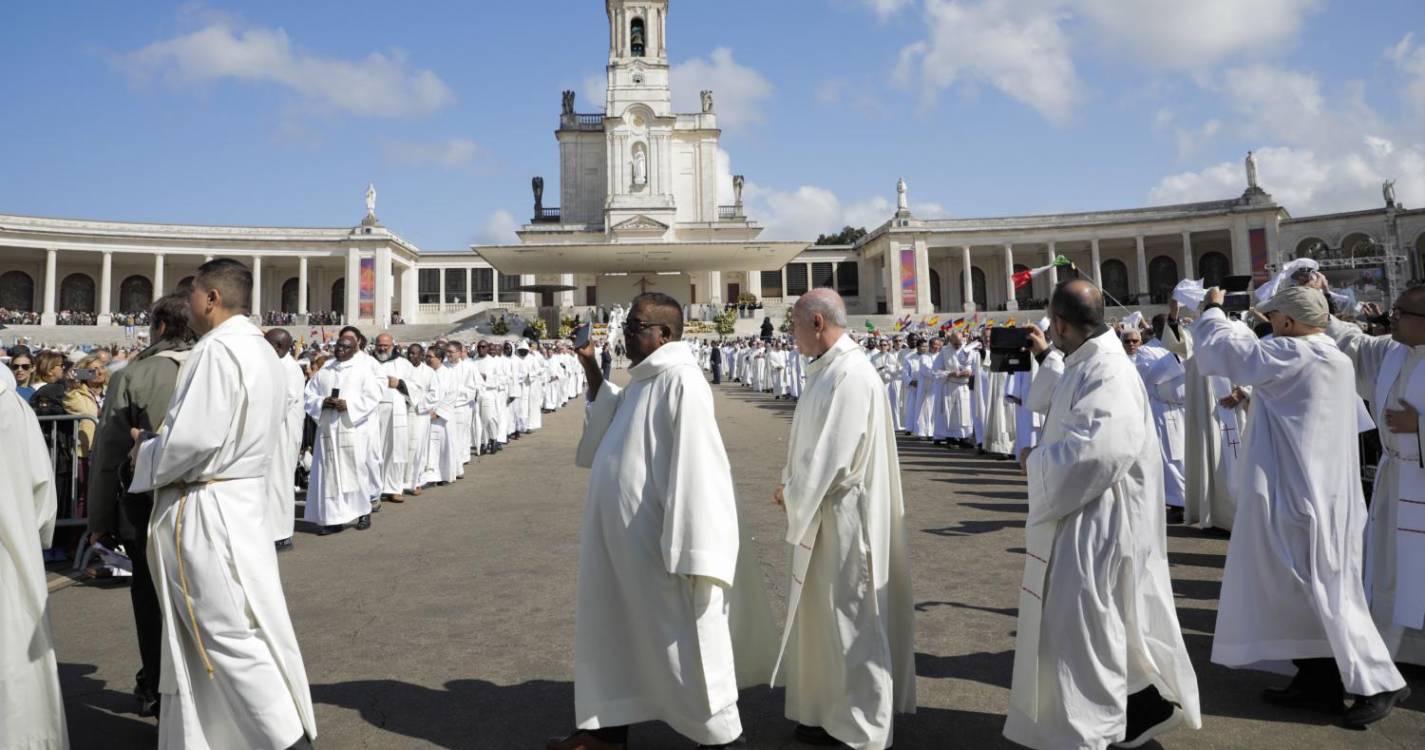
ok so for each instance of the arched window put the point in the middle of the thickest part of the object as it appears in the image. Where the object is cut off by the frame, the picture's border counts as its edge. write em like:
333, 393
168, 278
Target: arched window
636, 37
935, 289
76, 293
135, 294
1359, 245
1115, 279
977, 287
17, 291
848, 279
289, 296
1162, 277
339, 296
1214, 267
1313, 247
1025, 293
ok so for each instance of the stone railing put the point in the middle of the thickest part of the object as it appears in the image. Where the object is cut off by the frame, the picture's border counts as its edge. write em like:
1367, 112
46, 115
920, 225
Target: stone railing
726, 213
546, 215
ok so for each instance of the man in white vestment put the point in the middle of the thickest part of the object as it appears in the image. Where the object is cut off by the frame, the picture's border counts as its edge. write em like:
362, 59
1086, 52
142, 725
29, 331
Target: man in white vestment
954, 414
232, 676
441, 404
1099, 657
281, 480
659, 552
777, 364
31, 709
849, 639
418, 419
1291, 589
488, 403
342, 397
927, 392
1214, 420
888, 367
460, 392
534, 398
1389, 376
394, 420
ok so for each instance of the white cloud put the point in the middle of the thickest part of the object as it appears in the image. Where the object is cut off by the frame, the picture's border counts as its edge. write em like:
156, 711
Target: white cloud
739, 92
1194, 35
595, 89
804, 212
378, 85
498, 229
451, 153
1409, 59
886, 8
1019, 48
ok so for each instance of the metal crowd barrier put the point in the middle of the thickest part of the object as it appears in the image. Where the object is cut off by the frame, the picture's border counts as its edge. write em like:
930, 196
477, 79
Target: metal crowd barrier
68, 492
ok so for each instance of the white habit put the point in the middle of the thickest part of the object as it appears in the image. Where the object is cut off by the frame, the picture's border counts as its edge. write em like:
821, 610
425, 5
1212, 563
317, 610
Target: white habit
1292, 585
31, 710
1212, 439
281, 479
338, 490
1096, 615
232, 677
395, 424
849, 640
659, 558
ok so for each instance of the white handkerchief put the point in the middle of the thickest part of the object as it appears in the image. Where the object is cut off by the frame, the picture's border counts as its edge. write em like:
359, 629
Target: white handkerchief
1189, 293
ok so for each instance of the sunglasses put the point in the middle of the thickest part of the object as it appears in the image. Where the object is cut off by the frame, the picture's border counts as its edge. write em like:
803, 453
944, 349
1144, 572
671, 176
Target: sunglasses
635, 325
1398, 312
21, 367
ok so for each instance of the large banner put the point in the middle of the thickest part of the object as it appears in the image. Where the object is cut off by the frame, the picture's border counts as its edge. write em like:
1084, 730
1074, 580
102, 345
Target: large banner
366, 299
908, 279
1257, 242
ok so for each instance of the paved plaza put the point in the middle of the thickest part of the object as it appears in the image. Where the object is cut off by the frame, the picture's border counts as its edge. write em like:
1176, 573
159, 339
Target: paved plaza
451, 622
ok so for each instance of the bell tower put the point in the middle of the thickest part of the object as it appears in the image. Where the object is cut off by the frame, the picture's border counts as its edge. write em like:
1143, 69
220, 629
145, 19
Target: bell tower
638, 56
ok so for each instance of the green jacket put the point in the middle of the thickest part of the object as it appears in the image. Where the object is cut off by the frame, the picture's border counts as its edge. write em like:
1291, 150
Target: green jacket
138, 396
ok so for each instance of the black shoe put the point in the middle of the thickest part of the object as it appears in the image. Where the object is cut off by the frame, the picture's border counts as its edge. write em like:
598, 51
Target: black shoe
284, 545
1175, 515
363, 523
1296, 695
1149, 715
330, 530
815, 736
1373, 708
148, 700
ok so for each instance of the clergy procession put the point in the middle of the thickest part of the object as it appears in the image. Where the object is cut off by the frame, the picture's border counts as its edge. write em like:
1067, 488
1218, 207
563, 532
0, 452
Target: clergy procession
1221, 416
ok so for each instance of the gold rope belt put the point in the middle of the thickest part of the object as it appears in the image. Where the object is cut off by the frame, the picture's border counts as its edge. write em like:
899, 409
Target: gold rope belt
183, 488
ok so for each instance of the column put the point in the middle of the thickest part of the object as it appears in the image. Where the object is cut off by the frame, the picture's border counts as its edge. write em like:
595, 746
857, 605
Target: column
1010, 303
256, 310
1052, 252
527, 298
384, 293
968, 279
1187, 255
1097, 262
410, 295
469, 288
924, 303
566, 299
47, 316
1142, 270
353, 285
106, 281
302, 288
754, 282
1241, 247
442, 288
715, 288
158, 287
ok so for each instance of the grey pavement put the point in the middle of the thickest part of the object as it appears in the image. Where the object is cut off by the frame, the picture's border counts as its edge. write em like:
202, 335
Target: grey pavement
450, 623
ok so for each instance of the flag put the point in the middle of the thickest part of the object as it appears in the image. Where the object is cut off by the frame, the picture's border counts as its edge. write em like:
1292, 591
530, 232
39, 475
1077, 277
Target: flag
870, 328
1009, 323
934, 321
959, 324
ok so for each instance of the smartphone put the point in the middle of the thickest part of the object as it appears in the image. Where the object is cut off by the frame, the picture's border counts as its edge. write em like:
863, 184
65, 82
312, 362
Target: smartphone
581, 336
83, 373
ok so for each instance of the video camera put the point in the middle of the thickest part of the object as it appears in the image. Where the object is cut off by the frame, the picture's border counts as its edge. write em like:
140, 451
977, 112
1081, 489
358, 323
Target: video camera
1236, 297
1009, 350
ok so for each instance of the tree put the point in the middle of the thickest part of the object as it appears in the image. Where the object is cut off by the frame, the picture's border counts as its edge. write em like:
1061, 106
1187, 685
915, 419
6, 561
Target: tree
726, 323
847, 236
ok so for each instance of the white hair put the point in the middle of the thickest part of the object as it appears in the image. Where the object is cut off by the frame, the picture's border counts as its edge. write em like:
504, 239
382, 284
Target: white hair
827, 304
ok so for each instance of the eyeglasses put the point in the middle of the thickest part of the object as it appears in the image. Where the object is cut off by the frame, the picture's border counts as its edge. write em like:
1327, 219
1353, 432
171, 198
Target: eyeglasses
14, 366
1397, 312
634, 325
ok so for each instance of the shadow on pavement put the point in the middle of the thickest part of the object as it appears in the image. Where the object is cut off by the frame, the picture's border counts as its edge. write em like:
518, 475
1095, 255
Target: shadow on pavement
986, 667
99, 717
967, 528
1006, 611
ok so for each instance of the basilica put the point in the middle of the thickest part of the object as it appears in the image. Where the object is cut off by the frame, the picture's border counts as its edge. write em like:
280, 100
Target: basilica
638, 210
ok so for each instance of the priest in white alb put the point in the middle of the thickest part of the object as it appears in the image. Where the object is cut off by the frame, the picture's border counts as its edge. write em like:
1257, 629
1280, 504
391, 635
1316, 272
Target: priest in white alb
848, 647
232, 675
441, 404
1291, 589
342, 397
417, 419
668, 594
1099, 657
393, 415
954, 412
281, 479
1389, 376
31, 709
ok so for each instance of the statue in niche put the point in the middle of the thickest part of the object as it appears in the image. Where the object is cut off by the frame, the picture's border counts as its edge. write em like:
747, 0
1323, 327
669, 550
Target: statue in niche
707, 97
1251, 171
902, 203
371, 199
1387, 189
737, 181
568, 103
537, 184
640, 167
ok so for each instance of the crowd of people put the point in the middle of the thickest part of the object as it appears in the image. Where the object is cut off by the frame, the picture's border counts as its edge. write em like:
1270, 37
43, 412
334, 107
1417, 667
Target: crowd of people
1236, 420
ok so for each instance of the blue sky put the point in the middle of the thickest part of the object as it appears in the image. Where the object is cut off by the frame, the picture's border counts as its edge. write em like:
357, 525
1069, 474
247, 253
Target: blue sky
279, 113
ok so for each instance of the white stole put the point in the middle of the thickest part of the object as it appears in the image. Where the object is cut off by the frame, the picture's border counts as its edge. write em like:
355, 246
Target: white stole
1410, 515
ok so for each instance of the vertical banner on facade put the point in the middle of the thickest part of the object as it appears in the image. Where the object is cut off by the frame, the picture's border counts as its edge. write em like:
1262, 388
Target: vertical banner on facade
908, 278
1257, 241
366, 299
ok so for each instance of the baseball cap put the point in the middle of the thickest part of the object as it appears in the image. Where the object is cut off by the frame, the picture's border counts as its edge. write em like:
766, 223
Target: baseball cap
1299, 303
